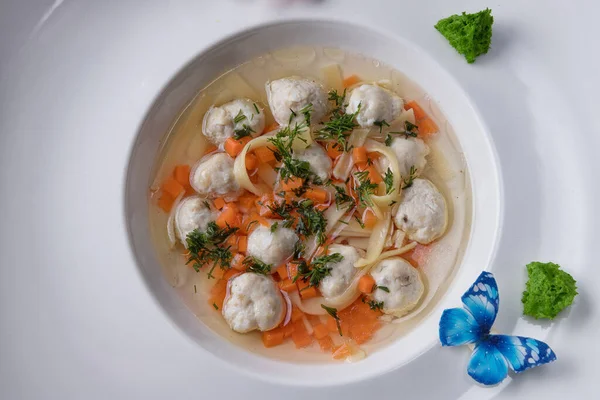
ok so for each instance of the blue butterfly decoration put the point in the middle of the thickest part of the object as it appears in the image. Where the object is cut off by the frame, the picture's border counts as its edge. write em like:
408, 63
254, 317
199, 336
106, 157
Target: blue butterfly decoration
493, 354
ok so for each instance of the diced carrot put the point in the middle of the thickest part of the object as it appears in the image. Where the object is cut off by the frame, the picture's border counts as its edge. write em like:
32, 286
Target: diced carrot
419, 113
306, 291
331, 324
350, 81
172, 187
232, 241
237, 262
189, 190
270, 127
318, 195
320, 331
229, 217
264, 154
273, 337
288, 329
219, 203
283, 272
251, 161
300, 336
233, 147
242, 243
341, 352
325, 343
374, 175
165, 202
369, 218
359, 155
427, 127
287, 285
334, 150
210, 149
217, 294
373, 155
366, 284
291, 184
292, 270
296, 314
313, 319
230, 273
247, 201
362, 166
362, 333
181, 173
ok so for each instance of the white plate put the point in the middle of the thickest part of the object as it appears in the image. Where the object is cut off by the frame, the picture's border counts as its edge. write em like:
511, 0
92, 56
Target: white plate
77, 80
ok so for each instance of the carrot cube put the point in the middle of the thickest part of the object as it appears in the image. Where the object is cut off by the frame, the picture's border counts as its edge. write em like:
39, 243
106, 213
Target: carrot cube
273, 337
321, 331
172, 187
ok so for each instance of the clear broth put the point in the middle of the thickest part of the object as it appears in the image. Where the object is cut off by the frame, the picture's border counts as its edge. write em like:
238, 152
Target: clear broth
184, 143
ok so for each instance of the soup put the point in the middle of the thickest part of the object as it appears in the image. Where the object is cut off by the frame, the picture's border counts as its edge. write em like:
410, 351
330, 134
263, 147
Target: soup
310, 205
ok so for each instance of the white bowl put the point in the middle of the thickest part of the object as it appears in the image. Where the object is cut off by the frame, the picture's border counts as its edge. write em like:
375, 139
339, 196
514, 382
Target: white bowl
396, 52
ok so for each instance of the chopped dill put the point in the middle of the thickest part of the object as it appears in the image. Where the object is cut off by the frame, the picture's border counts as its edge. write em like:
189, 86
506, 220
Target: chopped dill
215, 306
207, 247
244, 131
239, 117
256, 108
253, 264
337, 127
333, 313
317, 270
381, 124
375, 305
274, 226
306, 111
407, 182
366, 188
362, 225
388, 179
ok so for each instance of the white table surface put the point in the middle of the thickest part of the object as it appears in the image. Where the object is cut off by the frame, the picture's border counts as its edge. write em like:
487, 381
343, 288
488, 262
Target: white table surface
76, 321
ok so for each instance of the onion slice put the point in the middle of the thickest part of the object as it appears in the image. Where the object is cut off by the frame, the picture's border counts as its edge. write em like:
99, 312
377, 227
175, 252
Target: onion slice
288, 310
171, 221
376, 241
239, 166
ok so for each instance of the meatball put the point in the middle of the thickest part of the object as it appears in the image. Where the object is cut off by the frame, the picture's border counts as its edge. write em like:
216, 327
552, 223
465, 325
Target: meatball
320, 163
192, 213
295, 94
376, 104
422, 212
222, 122
272, 248
403, 282
213, 177
341, 273
254, 302
411, 152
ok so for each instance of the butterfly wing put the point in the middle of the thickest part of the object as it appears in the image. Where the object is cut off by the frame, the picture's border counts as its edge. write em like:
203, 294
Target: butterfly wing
522, 352
487, 365
482, 301
458, 327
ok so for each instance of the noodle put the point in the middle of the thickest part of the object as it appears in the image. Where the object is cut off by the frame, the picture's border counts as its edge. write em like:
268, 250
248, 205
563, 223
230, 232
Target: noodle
376, 241
239, 166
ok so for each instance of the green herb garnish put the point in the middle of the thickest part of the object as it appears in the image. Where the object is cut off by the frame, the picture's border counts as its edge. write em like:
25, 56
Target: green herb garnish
244, 131
384, 288
274, 226
311, 221
388, 179
408, 182
239, 117
549, 290
256, 108
337, 128
381, 124
366, 188
362, 225
333, 313
255, 265
317, 270
291, 166
341, 197
215, 306
469, 34
375, 305
207, 247
306, 111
